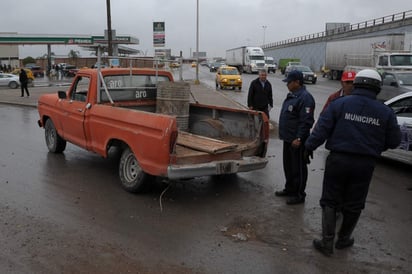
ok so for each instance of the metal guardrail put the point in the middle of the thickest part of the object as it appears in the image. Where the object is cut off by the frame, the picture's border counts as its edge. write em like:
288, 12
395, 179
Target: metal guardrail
397, 17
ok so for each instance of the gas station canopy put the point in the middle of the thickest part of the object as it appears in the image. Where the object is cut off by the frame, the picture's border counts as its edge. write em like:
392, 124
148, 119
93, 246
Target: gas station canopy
85, 41
49, 39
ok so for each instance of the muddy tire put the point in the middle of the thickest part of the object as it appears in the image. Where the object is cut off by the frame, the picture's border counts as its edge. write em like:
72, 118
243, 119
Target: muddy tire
132, 176
54, 142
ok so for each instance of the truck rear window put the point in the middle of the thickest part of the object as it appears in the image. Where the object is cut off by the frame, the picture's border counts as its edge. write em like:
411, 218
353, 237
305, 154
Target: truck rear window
131, 87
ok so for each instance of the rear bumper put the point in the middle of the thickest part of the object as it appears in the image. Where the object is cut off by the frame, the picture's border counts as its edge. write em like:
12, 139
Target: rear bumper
223, 84
216, 168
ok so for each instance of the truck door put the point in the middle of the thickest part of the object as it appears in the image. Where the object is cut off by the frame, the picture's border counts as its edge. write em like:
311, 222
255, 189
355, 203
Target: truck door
74, 111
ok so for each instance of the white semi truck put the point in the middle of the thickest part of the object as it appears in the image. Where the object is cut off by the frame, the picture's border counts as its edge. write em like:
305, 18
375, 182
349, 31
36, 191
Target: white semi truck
384, 52
246, 59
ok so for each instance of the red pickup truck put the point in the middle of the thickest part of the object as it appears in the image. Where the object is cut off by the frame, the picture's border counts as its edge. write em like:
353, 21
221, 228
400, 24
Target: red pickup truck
118, 107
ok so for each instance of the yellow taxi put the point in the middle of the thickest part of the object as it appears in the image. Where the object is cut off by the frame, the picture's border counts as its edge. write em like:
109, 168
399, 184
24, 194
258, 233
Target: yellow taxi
174, 64
29, 73
194, 64
227, 76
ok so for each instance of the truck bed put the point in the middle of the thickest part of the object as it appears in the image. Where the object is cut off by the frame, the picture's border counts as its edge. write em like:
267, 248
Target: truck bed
192, 148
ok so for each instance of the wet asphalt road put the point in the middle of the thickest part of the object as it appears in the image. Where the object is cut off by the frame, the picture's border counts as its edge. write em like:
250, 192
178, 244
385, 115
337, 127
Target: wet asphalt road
68, 214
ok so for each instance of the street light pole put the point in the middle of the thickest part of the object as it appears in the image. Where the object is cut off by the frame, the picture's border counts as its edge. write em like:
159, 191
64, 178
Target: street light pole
197, 43
109, 29
264, 33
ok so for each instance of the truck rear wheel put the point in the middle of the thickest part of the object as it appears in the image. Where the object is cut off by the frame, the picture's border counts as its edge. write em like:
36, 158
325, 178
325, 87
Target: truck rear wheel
54, 142
132, 176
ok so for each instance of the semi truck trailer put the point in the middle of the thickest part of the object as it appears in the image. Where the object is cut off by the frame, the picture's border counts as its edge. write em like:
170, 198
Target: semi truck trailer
384, 52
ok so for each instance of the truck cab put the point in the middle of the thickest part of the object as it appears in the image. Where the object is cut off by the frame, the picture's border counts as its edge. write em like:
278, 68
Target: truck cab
254, 59
394, 60
270, 64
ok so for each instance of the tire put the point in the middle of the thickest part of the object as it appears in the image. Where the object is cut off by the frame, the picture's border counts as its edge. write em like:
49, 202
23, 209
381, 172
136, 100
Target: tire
314, 82
13, 85
334, 75
132, 176
54, 142
240, 88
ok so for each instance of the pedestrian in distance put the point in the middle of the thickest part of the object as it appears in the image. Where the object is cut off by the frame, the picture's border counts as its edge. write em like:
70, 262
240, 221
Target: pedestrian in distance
346, 89
356, 128
260, 94
23, 82
295, 121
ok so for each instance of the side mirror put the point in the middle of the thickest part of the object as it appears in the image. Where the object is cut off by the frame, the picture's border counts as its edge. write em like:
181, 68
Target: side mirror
62, 94
394, 84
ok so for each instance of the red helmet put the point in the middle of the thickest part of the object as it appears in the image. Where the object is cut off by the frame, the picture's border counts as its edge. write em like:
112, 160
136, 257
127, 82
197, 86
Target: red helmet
348, 76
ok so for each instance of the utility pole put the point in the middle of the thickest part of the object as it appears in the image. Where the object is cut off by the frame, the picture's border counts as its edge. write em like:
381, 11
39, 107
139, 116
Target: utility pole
264, 33
197, 43
109, 29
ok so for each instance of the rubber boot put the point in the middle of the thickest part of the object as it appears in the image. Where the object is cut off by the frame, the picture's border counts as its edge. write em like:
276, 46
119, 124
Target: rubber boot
325, 245
348, 225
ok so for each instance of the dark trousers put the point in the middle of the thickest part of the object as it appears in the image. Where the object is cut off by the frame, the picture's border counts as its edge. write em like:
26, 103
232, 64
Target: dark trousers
265, 110
296, 170
24, 88
346, 181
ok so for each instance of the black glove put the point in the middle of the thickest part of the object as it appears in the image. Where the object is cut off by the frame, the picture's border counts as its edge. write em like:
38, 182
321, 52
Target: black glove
307, 155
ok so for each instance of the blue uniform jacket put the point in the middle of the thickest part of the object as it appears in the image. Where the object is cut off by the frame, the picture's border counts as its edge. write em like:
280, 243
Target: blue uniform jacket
356, 124
296, 117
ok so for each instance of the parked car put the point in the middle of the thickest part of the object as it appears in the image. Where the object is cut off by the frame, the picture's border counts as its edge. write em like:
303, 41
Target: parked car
402, 106
29, 73
308, 74
9, 80
102, 65
214, 66
394, 83
227, 76
37, 70
70, 71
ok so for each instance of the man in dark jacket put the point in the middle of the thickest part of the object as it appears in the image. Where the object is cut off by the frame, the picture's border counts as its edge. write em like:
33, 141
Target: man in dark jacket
260, 94
23, 82
357, 129
295, 121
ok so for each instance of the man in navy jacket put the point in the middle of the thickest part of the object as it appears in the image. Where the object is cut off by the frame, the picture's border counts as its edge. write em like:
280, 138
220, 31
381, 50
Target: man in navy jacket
260, 94
356, 128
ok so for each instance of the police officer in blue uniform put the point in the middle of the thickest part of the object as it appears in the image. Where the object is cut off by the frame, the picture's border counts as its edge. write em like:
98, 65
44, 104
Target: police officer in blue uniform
295, 121
356, 128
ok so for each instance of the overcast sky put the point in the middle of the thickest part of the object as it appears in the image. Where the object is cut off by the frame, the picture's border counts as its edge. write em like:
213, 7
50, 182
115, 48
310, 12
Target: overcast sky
223, 24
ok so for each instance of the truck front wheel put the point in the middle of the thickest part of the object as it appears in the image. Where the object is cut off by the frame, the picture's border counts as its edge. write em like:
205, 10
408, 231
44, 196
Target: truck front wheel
132, 176
54, 142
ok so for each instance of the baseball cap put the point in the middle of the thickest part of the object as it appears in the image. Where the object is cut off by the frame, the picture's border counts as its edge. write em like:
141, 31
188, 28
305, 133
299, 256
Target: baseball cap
348, 76
293, 76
